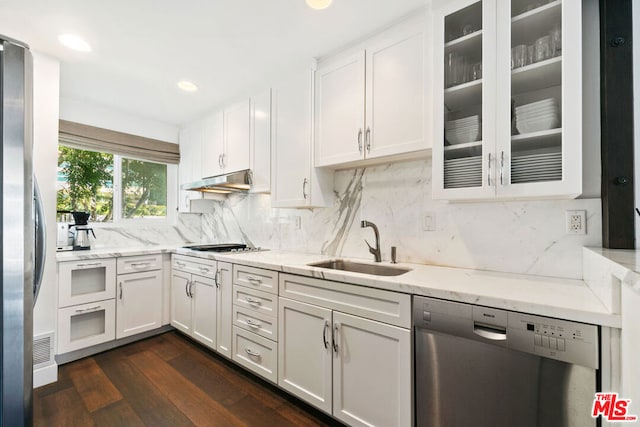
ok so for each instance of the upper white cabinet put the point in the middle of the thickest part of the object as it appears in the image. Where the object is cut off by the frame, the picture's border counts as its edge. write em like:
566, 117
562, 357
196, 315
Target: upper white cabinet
295, 182
260, 157
237, 137
370, 102
190, 168
213, 145
503, 70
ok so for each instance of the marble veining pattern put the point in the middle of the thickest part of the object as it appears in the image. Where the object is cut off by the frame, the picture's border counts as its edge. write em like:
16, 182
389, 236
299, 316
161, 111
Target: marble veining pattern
525, 237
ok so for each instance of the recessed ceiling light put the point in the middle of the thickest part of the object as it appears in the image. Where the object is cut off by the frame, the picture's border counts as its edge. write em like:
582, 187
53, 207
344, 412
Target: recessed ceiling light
319, 4
74, 42
187, 86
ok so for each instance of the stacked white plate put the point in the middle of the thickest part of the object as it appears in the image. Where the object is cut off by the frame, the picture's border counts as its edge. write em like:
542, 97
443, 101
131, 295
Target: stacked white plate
537, 116
463, 172
536, 167
462, 131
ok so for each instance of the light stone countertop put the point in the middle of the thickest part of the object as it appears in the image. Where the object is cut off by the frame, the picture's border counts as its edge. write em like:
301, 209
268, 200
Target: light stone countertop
545, 296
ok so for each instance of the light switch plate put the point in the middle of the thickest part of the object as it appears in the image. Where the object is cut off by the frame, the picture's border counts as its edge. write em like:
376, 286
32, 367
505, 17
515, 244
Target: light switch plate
429, 221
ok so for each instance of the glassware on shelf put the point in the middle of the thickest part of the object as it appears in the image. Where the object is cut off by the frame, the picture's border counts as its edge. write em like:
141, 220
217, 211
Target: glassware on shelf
543, 48
556, 40
519, 54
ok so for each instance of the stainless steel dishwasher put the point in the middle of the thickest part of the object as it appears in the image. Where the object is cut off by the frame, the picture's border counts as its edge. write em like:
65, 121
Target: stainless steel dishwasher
477, 366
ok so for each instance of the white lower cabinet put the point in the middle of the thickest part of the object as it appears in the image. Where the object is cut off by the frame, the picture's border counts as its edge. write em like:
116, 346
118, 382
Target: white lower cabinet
85, 325
224, 301
255, 325
139, 295
255, 353
361, 367
194, 298
201, 301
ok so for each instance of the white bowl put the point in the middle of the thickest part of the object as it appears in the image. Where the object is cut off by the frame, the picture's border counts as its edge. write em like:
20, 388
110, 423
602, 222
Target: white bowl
537, 125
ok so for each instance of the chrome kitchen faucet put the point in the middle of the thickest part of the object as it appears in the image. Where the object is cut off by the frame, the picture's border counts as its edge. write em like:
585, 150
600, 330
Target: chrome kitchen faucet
375, 251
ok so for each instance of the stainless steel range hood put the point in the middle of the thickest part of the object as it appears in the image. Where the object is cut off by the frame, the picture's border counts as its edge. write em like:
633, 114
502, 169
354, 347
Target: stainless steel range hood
222, 184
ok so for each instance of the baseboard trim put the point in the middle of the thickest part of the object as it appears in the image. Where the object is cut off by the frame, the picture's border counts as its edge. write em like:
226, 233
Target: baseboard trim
90, 351
45, 375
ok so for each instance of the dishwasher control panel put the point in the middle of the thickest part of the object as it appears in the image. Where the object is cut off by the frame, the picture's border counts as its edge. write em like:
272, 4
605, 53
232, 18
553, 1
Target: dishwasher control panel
558, 339
563, 340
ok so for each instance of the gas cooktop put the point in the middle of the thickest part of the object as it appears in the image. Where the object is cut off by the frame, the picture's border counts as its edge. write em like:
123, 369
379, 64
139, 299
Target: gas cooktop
223, 247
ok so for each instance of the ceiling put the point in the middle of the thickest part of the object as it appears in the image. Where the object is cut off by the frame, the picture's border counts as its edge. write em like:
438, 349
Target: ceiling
141, 48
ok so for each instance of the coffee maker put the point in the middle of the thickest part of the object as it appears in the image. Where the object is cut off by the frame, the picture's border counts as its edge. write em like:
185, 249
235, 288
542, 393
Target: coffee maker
74, 236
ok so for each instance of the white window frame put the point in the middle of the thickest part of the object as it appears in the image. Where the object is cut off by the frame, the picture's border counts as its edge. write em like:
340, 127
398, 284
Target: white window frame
172, 197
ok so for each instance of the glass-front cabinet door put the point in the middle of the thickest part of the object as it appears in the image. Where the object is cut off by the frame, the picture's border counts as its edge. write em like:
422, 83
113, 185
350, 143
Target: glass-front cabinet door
539, 102
507, 99
464, 95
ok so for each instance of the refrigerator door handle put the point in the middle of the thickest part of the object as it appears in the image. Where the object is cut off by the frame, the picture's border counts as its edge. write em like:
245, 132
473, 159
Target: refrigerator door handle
40, 240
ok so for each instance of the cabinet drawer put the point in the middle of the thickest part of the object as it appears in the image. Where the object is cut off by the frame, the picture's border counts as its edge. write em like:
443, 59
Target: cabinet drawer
385, 306
86, 325
138, 264
256, 278
262, 302
199, 266
81, 282
255, 353
259, 323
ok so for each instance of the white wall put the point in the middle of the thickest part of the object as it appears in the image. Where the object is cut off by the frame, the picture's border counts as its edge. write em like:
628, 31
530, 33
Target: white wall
96, 115
46, 77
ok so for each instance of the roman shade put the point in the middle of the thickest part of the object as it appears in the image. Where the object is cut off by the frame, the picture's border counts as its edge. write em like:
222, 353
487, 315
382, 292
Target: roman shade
92, 138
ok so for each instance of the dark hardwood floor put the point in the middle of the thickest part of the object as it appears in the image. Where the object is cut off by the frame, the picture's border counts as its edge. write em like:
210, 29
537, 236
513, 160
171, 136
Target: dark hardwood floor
166, 380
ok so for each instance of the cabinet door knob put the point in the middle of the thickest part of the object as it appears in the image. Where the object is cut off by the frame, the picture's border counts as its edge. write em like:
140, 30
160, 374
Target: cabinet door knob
324, 334
120, 291
618, 41
367, 139
360, 140
304, 188
334, 337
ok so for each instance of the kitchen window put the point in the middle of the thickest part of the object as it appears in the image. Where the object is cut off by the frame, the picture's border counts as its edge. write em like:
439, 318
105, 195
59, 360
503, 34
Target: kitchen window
112, 187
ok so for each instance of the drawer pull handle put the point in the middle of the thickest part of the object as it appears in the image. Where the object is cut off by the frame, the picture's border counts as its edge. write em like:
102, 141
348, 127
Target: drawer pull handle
139, 264
84, 310
204, 269
91, 264
251, 352
180, 264
334, 337
253, 301
120, 291
253, 279
253, 323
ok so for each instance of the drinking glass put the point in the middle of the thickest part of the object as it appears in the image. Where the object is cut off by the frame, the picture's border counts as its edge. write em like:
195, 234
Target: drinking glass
543, 48
556, 40
531, 54
519, 56
476, 71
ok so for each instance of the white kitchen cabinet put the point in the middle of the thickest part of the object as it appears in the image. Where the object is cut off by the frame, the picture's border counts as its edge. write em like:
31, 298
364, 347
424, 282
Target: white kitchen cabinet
237, 137
305, 340
139, 294
139, 303
213, 145
224, 301
84, 325
371, 102
295, 183
85, 281
260, 156
255, 325
190, 167
194, 298
362, 367
491, 141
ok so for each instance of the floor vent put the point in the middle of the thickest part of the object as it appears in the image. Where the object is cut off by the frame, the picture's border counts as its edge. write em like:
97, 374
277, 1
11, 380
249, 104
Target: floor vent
43, 350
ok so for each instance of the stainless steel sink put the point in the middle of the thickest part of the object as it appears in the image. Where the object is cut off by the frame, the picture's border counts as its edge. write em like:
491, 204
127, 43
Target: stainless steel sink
359, 267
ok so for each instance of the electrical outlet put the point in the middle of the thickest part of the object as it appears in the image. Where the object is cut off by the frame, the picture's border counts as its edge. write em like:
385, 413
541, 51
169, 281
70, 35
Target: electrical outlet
429, 221
576, 222
298, 222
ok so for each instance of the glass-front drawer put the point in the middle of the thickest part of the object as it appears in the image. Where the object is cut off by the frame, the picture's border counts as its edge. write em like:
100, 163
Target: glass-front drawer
86, 325
81, 282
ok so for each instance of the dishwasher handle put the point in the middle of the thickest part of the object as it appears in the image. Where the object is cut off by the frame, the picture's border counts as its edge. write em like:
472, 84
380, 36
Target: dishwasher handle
490, 332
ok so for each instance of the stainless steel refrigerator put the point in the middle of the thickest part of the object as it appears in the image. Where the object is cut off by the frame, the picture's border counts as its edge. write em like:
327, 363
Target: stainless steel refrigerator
22, 234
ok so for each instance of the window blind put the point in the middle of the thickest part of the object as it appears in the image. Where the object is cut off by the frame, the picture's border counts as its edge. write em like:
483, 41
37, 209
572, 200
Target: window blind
92, 138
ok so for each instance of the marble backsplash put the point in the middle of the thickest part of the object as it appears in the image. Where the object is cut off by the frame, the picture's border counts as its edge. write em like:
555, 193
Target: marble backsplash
516, 236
